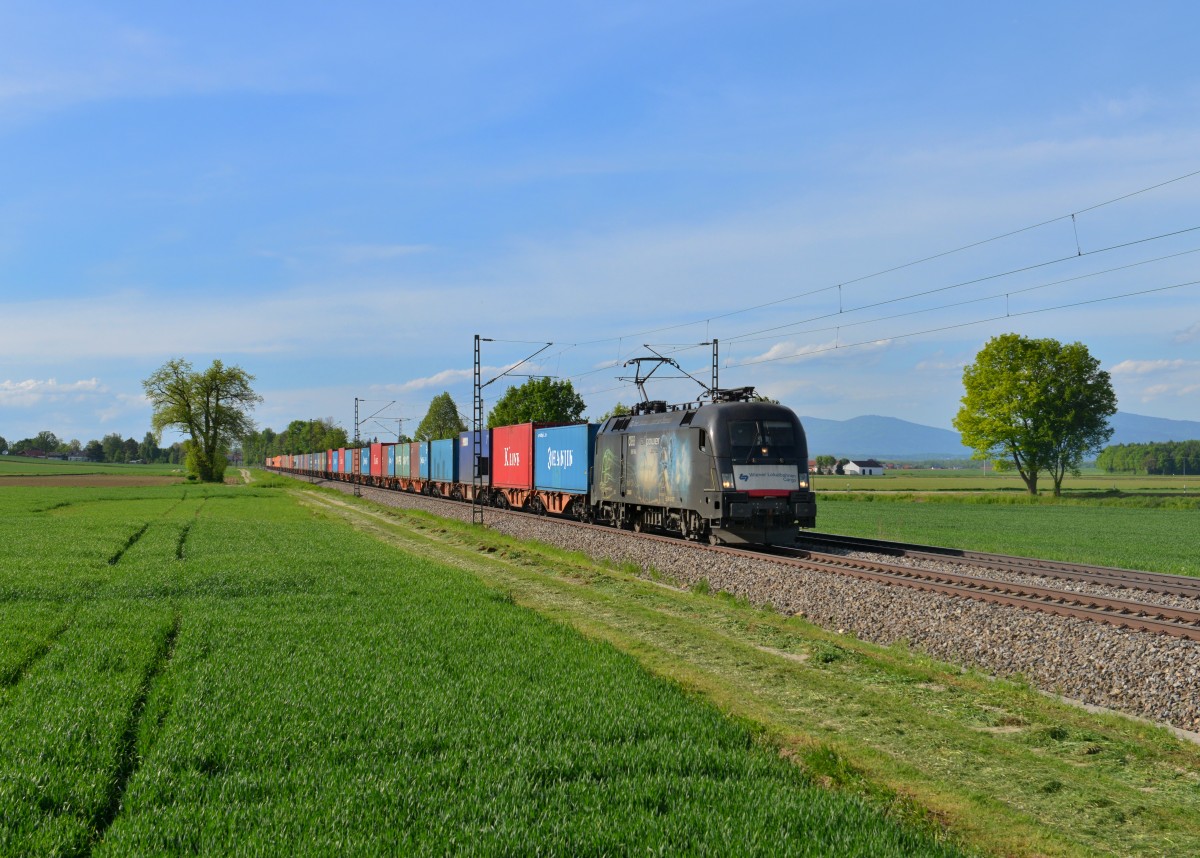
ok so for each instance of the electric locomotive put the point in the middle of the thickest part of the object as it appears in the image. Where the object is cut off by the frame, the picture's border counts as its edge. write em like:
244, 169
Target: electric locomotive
732, 470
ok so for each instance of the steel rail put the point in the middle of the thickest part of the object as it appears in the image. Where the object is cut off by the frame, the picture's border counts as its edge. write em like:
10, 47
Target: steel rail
1152, 582
1128, 613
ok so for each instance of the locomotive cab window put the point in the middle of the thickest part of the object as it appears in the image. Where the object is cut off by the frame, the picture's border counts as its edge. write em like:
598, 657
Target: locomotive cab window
762, 441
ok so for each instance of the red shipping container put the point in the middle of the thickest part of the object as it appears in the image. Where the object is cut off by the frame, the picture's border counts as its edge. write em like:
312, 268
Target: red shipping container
414, 463
376, 460
512, 456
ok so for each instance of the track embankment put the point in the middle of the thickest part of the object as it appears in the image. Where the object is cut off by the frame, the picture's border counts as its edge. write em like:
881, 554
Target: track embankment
1150, 676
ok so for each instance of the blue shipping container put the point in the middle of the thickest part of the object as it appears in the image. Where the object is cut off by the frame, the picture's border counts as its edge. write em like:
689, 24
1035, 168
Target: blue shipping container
443, 461
423, 466
466, 451
336, 463
562, 457
391, 459
364, 466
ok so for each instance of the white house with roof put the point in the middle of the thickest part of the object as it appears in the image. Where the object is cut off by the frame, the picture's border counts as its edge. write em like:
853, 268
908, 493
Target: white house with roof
864, 468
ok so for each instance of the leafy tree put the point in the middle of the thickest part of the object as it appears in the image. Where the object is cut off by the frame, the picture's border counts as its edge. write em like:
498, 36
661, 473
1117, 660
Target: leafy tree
147, 451
3, 445
1035, 405
441, 421
212, 406
539, 399
46, 441
114, 447
826, 464
1167, 457
131, 449
94, 451
839, 466
618, 410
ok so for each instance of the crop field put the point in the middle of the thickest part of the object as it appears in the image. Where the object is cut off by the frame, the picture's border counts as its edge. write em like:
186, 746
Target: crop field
23, 466
1129, 532
1007, 769
222, 669
977, 480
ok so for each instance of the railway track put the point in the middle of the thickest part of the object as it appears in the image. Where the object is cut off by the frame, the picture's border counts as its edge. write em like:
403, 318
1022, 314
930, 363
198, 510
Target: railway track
1117, 611
1122, 612
1149, 582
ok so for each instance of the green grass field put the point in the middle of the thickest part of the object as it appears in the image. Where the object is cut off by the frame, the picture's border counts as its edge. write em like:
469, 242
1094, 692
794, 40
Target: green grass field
1006, 769
1125, 532
23, 466
1089, 482
220, 669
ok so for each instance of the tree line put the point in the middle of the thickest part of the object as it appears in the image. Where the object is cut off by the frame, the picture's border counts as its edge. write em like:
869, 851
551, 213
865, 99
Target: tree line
1165, 457
111, 448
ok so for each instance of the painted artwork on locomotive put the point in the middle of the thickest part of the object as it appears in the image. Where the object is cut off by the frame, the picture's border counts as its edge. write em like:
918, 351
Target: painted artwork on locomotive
662, 467
653, 468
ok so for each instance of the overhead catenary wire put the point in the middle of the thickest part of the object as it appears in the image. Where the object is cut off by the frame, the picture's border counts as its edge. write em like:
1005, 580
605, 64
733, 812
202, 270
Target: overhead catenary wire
753, 336
902, 266
890, 337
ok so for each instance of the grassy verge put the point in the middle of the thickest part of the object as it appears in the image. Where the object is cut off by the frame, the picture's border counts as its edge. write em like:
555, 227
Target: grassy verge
218, 669
1128, 535
1005, 768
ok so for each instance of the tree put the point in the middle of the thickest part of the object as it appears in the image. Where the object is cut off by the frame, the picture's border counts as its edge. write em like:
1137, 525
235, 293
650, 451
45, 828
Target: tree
826, 464
46, 441
147, 451
212, 406
441, 420
618, 410
1035, 405
114, 447
94, 451
539, 399
3, 445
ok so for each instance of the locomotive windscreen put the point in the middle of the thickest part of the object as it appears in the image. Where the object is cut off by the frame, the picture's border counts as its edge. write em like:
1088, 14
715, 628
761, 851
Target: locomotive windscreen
762, 441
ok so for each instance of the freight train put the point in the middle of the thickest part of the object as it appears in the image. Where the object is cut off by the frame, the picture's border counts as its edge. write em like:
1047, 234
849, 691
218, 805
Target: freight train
731, 470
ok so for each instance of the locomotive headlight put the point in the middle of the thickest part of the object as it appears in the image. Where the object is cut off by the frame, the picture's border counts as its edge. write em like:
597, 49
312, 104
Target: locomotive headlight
804, 481
726, 481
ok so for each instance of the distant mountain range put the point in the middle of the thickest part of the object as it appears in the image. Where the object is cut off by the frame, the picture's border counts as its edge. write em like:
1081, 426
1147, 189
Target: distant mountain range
891, 438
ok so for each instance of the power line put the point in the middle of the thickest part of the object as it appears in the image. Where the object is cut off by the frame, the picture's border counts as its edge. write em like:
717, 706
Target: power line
751, 336
965, 324
905, 265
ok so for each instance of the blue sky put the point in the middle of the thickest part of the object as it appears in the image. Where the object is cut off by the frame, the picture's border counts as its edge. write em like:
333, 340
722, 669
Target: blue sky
337, 197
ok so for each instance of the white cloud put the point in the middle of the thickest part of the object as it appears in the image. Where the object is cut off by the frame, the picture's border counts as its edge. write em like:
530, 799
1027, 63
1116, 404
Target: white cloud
448, 377
32, 392
1145, 367
1188, 335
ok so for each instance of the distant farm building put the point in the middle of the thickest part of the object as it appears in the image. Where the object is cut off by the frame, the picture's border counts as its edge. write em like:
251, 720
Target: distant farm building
864, 468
